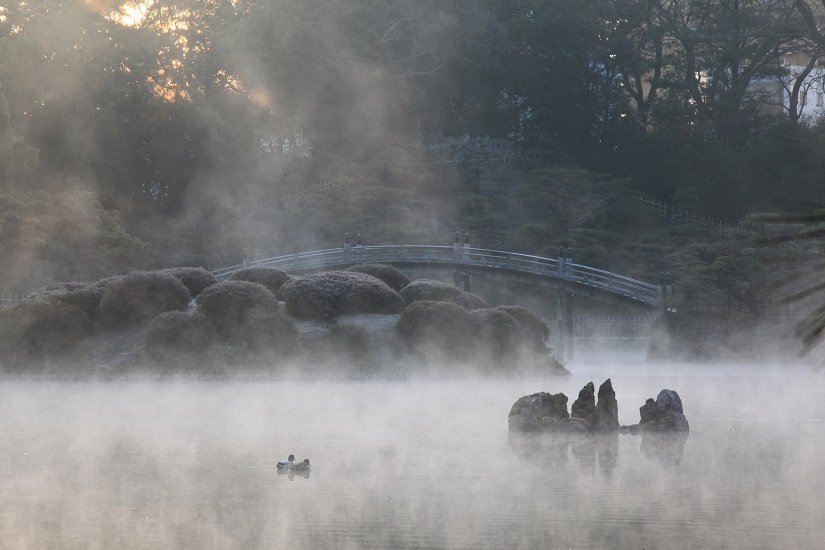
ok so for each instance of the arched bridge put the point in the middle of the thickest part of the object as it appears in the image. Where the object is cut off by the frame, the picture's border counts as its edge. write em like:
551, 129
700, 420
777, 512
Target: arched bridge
557, 273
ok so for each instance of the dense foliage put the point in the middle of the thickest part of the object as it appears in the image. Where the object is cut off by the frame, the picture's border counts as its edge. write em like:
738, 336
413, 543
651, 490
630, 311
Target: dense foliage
171, 132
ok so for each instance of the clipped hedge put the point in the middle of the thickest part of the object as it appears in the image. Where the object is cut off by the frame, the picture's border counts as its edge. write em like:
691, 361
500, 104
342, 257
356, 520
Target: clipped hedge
436, 291
500, 335
37, 329
269, 332
195, 279
103, 283
141, 296
391, 275
177, 334
61, 287
429, 290
445, 328
339, 345
468, 300
327, 295
536, 331
234, 306
84, 296
270, 277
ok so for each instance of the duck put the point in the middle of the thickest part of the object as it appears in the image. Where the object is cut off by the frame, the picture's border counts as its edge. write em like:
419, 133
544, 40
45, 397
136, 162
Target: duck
290, 466
286, 466
302, 466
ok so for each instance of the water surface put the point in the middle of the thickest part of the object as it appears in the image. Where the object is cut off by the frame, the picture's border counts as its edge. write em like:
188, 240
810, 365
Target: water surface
425, 464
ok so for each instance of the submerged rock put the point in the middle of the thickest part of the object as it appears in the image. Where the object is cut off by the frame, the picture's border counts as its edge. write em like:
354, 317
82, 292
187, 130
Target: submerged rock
545, 412
665, 414
584, 407
548, 413
538, 412
607, 409
601, 416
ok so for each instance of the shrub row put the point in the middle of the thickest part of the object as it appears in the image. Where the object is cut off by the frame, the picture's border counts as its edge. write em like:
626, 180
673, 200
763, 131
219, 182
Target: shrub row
494, 339
243, 315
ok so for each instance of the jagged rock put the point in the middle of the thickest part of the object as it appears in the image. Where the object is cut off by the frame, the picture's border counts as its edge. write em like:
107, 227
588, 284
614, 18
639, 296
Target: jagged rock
546, 412
663, 415
607, 409
538, 412
584, 407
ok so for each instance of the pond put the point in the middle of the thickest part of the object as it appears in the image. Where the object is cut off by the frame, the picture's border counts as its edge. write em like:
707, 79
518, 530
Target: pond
416, 464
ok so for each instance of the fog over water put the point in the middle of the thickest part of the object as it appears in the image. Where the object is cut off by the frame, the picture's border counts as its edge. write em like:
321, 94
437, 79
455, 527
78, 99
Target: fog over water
423, 464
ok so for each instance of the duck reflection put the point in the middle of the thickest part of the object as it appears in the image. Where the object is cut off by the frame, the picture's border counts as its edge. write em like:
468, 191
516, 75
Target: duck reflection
292, 468
291, 475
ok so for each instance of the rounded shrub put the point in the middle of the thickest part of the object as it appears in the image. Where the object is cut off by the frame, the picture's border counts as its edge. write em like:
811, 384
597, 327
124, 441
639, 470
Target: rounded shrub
391, 275
327, 295
429, 290
536, 331
140, 296
177, 335
280, 294
84, 296
61, 287
233, 306
426, 326
270, 277
270, 333
339, 344
500, 335
468, 300
103, 283
195, 279
36, 329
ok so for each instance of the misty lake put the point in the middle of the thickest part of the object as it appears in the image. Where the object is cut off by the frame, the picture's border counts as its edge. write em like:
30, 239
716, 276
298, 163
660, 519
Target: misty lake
424, 464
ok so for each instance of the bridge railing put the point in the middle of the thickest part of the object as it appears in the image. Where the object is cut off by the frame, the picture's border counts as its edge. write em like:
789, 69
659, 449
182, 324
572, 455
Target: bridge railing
458, 256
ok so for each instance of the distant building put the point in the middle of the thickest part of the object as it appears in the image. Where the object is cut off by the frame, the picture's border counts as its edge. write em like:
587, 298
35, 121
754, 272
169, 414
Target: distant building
774, 94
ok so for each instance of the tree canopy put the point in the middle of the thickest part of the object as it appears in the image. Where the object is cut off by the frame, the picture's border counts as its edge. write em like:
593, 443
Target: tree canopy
198, 132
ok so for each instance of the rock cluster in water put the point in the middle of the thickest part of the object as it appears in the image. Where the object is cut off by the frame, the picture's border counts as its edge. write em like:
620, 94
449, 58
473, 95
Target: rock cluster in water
545, 412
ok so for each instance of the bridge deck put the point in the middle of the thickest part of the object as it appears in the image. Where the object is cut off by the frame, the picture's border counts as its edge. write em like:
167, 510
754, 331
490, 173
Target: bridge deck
336, 258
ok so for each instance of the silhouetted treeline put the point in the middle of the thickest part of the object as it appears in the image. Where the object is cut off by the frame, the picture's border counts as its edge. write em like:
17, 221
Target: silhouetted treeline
159, 133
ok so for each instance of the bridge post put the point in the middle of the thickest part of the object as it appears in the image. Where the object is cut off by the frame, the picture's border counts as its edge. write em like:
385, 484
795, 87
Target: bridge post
561, 261
347, 247
564, 315
467, 246
359, 246
665, 289
456, 246
660, 289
